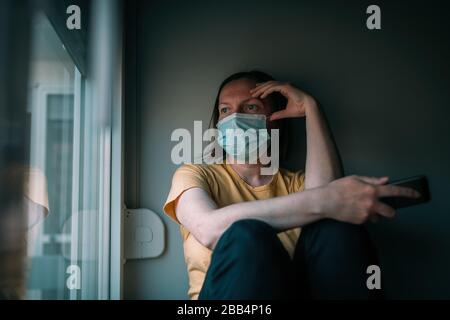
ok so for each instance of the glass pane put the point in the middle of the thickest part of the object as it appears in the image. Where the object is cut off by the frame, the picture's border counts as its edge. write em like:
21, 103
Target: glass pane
63, 181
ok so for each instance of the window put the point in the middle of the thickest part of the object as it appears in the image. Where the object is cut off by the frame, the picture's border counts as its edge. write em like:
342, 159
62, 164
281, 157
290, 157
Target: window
67, 249
61, 151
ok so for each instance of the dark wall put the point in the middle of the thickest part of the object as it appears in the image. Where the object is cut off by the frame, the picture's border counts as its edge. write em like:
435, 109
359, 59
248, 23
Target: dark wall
385, 93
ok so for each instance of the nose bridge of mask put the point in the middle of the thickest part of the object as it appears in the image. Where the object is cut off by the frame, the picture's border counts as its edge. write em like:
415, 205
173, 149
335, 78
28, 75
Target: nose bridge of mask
243, 121
244, 142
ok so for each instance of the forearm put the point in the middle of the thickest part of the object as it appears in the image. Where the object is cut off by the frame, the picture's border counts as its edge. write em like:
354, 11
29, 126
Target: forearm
323, 164
282, 213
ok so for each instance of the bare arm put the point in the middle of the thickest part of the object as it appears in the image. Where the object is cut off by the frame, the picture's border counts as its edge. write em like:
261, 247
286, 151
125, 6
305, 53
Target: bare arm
351, 199
201, 216
323, 164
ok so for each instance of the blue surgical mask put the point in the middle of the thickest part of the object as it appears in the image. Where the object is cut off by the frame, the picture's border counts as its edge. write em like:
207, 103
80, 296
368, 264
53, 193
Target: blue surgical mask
242, 134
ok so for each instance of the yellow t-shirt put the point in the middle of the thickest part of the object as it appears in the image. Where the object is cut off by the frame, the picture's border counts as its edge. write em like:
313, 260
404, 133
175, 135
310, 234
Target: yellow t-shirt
225, 187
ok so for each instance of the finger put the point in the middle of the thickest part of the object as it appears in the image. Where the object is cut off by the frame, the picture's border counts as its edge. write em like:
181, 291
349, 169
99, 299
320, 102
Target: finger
279, 115
397, 191
374, 180
279, 88
261, 84
261, 89
269, 90
384, 210
258, 84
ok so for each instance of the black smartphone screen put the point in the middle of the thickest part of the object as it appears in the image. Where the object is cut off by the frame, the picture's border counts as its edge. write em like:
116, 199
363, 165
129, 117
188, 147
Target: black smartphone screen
419, 183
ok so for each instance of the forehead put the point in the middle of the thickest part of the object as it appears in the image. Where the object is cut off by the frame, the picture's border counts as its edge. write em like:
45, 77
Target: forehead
237, 89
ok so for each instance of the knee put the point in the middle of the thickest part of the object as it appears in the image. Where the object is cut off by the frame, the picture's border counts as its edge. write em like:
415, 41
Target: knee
247, 235
249, 229
341, 232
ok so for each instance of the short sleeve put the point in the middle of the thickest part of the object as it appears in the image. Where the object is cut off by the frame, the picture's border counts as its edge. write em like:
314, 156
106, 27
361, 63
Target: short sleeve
185, 177
299, 181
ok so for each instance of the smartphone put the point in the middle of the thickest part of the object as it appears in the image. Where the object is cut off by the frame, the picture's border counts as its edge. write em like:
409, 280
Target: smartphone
419, 183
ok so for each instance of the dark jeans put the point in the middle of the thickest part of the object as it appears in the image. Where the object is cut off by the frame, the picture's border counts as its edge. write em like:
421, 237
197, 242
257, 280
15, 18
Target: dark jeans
330, 262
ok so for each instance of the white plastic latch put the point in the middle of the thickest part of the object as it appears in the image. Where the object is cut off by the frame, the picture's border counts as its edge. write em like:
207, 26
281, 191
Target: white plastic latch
144, 234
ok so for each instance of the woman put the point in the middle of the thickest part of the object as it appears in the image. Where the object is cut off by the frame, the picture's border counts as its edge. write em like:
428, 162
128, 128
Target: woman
288, 235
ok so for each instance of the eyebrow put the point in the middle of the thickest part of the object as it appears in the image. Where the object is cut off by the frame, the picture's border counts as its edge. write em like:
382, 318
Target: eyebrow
251, 98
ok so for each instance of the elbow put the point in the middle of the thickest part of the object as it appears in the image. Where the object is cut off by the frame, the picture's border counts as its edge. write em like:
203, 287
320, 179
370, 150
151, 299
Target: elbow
208, 234
320, 180
208, 241
202, 226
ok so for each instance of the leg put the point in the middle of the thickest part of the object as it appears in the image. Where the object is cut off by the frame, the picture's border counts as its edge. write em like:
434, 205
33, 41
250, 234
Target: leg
331, 259
248, 262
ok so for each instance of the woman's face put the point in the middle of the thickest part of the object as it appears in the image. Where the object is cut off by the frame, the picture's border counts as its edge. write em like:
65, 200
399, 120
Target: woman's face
235, 97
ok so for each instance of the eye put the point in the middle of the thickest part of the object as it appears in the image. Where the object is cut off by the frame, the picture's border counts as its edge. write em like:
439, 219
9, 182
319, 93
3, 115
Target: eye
224, 109
252, 107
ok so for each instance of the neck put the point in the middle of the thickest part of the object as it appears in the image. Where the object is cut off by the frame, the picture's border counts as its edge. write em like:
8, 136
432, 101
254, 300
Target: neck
250, 173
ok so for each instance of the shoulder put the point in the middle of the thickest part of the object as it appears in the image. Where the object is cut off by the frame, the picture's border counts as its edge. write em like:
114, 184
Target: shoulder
189, 168
206, 172
200, 169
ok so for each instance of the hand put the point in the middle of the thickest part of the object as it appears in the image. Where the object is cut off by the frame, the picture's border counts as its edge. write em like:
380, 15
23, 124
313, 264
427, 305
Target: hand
298, 102
355, 199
